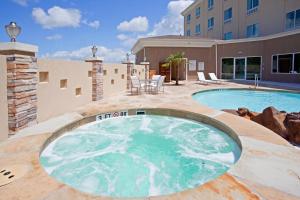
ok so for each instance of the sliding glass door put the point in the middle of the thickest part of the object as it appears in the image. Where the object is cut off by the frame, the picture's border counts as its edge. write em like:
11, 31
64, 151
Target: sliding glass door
253, 67
240, 68
227, 68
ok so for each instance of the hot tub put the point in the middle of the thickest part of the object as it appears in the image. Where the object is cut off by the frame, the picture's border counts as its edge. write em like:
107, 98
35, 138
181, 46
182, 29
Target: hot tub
140, 155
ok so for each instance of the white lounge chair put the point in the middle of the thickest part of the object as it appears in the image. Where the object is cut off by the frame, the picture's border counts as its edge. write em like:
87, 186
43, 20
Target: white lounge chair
214, 78
202, 79
157, 86
135, 83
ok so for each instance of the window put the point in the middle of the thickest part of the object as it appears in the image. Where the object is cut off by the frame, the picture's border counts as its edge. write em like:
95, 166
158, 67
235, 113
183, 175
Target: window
44, 77
292, 19
63, 83
228, 36
188, 18
198, 29
112, 81
198, 12
297, 63
116, 71
297, 18
252, 5
274, 64
210, 24
104, 72
188, 33
252, 30
210, 4
286, 63
123, 76
78, 92
227, 15
90, 74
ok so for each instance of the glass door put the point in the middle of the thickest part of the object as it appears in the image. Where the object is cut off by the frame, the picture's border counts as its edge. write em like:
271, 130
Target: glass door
240, 68
253, 68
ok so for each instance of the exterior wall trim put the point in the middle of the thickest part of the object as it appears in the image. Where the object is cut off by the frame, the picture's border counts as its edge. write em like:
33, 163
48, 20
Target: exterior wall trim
192, 42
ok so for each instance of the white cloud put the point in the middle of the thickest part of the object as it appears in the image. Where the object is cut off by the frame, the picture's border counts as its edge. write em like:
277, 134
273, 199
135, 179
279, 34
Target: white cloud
57, 17
126, 40
21, 2
109, 55
172, 22
93, 24
137, 24
54, 37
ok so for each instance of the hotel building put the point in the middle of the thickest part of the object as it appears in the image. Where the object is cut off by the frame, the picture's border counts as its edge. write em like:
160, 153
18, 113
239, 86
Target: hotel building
236, 19
235, 39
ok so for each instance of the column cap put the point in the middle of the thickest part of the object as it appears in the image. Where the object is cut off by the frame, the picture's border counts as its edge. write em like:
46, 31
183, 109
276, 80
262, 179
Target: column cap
127, 62
17, 46
94, 59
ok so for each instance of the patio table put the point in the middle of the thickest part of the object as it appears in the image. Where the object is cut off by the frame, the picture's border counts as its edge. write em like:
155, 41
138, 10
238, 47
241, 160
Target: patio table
147, 84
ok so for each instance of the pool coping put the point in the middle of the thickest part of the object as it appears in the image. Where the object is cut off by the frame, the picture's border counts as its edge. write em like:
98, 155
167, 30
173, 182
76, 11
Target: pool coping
242, 180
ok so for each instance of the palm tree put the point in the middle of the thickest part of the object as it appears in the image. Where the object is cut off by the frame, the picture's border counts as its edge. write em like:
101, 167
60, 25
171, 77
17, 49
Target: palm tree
176, 60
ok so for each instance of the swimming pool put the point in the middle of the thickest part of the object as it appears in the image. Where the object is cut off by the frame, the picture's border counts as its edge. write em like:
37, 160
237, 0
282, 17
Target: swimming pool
254, 100
140, 156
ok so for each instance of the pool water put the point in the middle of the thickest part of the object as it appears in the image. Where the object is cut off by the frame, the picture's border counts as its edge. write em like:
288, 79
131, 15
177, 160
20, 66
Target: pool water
254, 100
140, 156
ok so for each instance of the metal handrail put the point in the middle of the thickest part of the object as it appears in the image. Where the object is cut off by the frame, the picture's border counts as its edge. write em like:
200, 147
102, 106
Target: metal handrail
256, 81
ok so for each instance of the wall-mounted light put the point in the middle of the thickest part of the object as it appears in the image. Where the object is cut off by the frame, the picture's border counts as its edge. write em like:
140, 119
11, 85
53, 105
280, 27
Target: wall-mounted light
94, 51
13, 30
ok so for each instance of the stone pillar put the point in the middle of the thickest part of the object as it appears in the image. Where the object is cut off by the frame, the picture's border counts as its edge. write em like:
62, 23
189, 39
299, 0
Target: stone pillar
97, 78
21, 85
146, 65
129, 72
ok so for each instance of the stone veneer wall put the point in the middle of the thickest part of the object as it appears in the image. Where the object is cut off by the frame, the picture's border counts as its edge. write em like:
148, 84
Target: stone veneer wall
32, 99
21, 92
97, 81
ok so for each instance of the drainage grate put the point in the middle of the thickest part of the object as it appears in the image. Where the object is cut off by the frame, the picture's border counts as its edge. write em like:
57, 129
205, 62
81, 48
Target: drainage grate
10, 173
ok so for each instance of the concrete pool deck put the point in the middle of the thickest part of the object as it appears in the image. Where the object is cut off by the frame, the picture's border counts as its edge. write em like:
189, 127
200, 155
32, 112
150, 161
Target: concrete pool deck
269, 167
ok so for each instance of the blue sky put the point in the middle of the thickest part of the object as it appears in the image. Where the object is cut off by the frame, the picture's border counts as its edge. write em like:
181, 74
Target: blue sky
65, 29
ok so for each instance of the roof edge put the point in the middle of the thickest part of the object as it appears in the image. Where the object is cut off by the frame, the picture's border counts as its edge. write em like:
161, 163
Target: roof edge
189, 7
200, 42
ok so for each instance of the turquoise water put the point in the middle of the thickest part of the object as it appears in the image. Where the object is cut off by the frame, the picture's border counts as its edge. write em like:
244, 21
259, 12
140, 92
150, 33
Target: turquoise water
254, 100
140, 156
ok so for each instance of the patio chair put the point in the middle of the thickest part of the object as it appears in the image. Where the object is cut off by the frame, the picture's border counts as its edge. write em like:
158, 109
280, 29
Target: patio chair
157, 86
214, 78
155, 78
135, 83
202, 79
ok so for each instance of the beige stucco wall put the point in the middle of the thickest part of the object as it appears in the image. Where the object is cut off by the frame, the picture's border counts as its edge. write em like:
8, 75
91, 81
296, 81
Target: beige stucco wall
115, 77
3, 99
52, 100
